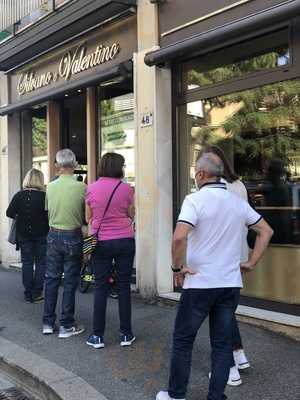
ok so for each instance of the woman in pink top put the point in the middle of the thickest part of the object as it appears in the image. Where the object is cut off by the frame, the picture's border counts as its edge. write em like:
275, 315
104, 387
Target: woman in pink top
115, 242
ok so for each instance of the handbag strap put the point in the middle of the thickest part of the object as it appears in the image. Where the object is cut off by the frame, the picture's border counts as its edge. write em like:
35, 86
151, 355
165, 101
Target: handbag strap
107, 206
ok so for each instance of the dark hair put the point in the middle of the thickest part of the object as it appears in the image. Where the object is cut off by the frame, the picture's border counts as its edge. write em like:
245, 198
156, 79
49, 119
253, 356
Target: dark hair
229, 173
111, 165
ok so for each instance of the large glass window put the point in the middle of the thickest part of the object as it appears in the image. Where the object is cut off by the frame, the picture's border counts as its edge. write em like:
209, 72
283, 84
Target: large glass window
259, 130
261, 54
39, 141
117, 133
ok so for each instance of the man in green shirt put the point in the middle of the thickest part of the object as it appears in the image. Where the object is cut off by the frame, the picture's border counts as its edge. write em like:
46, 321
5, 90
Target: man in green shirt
65, 204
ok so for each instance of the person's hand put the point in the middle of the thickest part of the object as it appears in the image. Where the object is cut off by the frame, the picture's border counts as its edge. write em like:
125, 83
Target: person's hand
178, 279
247, 266
179, 276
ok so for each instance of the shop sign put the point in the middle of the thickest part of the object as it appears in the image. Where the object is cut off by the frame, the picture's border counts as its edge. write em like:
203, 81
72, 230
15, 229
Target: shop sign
121, 119
71, 63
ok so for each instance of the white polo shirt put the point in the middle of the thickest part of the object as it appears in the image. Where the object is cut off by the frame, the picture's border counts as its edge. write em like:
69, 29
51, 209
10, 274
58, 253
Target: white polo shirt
214, 245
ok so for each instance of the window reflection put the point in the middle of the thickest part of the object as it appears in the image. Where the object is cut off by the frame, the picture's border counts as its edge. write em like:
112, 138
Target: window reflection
39, 143
117, 130
263, 53
44, 8
259, 130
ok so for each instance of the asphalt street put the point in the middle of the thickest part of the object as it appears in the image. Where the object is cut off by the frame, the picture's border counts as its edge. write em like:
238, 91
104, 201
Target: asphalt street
137, 373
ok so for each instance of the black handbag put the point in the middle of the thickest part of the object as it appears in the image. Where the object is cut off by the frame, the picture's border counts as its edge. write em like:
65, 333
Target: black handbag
12, 234
90, 242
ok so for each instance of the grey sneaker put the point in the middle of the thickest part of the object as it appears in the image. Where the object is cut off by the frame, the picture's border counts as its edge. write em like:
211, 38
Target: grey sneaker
48, 330
68, 332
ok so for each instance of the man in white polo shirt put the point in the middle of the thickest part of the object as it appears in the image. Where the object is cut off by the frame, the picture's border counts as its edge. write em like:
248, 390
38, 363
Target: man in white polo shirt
206, 254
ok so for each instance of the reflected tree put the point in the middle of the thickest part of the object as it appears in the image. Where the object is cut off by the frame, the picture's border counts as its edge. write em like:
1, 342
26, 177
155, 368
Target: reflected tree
261, 124
39, 137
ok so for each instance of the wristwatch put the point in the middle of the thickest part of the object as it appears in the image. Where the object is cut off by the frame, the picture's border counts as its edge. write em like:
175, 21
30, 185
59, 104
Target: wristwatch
176, 269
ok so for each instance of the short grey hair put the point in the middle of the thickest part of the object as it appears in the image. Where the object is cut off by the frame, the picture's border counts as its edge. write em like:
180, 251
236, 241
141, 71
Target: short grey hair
211, 164
66, 159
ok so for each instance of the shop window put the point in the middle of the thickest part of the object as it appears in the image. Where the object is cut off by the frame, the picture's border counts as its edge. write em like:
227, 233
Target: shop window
261, 54
43, 9
6, 33
39, 144
117, 131
259, 130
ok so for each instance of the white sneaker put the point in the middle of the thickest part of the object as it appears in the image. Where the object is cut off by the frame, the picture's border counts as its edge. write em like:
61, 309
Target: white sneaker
164, 396
48, 330
240, 359
234, 377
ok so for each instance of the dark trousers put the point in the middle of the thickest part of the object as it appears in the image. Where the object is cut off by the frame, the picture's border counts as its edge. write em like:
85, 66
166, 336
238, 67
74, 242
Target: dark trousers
236, 336
122, 251
33, 257
195, 305
64, 255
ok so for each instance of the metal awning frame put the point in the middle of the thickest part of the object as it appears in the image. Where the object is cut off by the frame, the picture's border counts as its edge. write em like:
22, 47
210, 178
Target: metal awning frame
224, 35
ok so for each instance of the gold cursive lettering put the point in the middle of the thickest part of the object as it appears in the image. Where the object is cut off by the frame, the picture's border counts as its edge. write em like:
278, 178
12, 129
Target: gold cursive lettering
72, 63
29, 82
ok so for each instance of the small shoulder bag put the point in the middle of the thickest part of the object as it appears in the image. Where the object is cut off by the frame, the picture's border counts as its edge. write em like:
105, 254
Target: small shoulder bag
90, 242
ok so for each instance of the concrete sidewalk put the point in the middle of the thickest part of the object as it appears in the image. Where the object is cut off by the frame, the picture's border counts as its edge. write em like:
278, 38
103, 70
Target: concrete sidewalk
137, 373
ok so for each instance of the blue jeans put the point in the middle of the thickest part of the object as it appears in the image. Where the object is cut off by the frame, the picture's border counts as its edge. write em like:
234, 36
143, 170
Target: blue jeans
195, 305
122, 251
64, 255
33, 253
236, 336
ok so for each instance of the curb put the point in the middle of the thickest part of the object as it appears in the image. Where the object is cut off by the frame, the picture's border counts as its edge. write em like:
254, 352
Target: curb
42, 378
291, 332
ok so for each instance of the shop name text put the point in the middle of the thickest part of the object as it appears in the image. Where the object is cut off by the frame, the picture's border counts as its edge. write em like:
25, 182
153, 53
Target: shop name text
72, 63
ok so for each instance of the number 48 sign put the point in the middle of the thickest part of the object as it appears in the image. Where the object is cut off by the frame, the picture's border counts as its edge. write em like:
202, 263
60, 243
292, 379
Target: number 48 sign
147, 119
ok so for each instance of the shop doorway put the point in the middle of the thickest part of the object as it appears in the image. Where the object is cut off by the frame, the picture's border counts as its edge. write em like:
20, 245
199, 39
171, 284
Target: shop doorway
74, 130
116, 127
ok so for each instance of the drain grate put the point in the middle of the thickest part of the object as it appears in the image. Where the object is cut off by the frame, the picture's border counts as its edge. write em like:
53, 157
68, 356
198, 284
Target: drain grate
13, 394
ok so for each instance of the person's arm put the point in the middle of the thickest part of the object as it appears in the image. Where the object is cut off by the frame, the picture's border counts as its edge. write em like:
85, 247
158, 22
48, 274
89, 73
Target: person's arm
12, 209
179, 244
131, 211
186, 221
131, 208
264, 233
88, 213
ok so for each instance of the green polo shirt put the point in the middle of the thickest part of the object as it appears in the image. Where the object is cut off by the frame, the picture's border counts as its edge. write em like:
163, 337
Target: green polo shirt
65, 203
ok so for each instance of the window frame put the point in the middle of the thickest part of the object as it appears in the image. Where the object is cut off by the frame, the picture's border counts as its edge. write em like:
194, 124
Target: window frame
249, 81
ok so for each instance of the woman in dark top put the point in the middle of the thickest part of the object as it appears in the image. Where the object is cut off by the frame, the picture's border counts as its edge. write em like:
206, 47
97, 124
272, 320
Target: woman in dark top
28, 206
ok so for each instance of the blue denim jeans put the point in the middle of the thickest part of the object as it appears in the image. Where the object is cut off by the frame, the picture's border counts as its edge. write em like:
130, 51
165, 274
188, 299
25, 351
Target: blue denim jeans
33, 257
64, 255
122, 251
236, 336
195, 305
